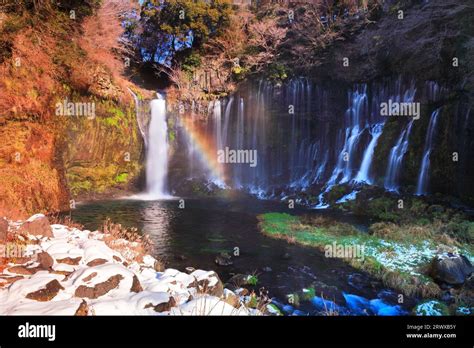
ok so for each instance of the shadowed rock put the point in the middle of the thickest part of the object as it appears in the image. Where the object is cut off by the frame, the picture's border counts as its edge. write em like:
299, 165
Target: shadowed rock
450, 268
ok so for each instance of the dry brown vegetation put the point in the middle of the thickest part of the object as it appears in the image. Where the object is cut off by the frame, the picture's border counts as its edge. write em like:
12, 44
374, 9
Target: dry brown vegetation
139, 245
48, 58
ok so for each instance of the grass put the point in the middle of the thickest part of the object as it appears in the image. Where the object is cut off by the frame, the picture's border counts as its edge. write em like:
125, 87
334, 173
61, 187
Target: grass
399, 264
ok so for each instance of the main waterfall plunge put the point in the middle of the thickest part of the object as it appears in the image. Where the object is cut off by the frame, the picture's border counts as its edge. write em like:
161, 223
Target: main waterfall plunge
157, 151
305, 140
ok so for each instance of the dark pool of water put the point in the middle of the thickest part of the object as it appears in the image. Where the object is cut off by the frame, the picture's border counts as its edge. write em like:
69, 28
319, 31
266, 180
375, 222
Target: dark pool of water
193, 236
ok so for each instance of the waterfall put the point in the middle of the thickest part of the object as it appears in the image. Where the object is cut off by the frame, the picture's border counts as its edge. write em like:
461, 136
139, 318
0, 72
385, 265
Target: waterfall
364, 171
396, 158
302, 139
157, 152
422, 185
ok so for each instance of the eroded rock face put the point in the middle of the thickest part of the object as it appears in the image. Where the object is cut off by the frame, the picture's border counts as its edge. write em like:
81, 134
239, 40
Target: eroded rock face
46, 294
37, 225
450, 268
99, 289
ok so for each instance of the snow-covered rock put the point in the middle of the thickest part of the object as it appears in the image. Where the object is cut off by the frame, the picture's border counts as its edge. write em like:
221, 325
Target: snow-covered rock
78, 273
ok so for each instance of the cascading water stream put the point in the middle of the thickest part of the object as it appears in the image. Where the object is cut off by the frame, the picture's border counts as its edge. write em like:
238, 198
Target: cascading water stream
364, 172
396, 158
423, 177
157, 152
305, 149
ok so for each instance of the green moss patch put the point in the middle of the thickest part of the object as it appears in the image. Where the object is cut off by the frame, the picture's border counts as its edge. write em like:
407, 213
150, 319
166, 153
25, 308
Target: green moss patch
398, 264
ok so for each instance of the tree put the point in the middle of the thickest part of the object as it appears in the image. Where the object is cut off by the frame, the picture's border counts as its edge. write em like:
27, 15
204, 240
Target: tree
170, 29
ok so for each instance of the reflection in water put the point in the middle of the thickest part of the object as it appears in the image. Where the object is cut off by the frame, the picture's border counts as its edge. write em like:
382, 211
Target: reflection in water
192, 237
156, 219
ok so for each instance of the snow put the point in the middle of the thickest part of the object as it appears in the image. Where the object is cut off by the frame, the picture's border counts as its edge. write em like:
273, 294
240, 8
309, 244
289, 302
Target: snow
157, 287
208, 305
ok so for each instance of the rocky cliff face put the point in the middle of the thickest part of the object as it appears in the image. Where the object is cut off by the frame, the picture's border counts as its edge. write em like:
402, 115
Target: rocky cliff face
419, 41
67, 118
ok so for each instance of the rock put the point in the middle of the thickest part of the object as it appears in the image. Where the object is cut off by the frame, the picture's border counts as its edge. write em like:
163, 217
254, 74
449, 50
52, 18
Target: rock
89, 277
286, 256
49, 292
99, 289
267, 269
11, 279
450, 268
22, 270
83, 309
70, 261
158, 266
45, 260
208, 283
231, 298
237, 281
164, 306
96, 262
223, 259
136, 286
447, 297
37, 225
3, 230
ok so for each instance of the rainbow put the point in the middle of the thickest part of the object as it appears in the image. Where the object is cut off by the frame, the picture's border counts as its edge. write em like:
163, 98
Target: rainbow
206, 149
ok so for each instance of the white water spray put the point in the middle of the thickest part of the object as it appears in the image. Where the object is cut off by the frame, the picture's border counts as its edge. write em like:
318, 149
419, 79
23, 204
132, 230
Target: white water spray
157, 152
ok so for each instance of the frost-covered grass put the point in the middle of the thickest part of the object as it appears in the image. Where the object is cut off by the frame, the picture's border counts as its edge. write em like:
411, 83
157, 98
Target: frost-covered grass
399, 264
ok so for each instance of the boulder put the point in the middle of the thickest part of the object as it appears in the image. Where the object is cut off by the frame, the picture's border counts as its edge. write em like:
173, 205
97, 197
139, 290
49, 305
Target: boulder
450, 268
223, 259
99, 289
37, 225
83, 309
136, 286
208, 283
45, 260
3, 230
47, 293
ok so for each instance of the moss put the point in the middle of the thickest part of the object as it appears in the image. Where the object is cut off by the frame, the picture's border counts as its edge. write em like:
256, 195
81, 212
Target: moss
121, 178
382, 259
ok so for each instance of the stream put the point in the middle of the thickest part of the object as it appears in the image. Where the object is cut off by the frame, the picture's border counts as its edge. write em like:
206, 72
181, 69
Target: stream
193, 236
